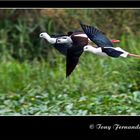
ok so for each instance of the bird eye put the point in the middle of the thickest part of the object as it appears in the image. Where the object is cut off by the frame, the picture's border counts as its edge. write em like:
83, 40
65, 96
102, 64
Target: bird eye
41, 35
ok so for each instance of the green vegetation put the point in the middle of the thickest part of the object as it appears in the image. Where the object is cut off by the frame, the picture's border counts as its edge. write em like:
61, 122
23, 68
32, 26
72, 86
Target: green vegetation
32, 73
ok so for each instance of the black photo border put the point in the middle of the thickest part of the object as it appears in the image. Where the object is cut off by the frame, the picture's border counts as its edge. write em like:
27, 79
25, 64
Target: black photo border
68, 4
68, 126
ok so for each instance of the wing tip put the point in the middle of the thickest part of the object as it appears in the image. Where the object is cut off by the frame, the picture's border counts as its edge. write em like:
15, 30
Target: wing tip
80, 22
67, 76
67, 73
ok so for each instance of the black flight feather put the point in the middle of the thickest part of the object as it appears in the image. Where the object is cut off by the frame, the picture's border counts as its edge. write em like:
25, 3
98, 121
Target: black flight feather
72, 58
112, 52
96, 36
62, 48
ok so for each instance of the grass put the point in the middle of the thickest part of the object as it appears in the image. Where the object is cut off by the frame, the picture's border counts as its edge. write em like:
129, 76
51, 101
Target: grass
98, 86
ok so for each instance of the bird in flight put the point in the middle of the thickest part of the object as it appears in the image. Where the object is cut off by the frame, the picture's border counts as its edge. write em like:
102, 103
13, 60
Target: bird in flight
63, 42
104, 46
71, 45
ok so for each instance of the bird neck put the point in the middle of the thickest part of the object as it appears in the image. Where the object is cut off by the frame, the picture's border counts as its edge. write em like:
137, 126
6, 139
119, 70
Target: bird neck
49, 39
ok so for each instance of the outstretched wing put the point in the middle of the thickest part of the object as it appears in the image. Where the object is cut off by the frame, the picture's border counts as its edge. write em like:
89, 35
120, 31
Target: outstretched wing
112, 51
72, 58
62, 48
74, 53
96, 36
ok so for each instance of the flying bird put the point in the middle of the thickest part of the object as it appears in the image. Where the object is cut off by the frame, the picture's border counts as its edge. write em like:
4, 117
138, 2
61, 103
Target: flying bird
54, 39
71, 45
63, 42
104, 46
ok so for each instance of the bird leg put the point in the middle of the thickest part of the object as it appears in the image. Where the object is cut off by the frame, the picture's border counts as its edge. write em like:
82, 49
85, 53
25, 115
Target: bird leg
134, 55
115, 41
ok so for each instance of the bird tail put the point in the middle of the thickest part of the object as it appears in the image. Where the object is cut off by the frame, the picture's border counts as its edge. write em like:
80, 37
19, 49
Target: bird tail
134, 55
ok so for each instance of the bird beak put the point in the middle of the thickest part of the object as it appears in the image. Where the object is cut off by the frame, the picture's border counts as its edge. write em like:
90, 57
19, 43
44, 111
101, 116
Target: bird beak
115, 41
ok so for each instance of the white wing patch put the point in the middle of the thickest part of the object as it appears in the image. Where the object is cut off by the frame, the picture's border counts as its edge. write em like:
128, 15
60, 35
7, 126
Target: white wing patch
83, 35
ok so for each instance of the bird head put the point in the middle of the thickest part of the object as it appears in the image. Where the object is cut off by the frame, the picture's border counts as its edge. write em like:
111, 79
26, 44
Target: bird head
43, 35
63, 39
88, 48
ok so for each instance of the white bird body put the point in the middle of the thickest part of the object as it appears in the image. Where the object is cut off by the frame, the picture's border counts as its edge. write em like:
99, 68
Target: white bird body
98, 50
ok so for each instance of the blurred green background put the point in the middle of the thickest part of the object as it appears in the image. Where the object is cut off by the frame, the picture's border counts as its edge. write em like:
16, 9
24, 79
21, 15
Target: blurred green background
32, 72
